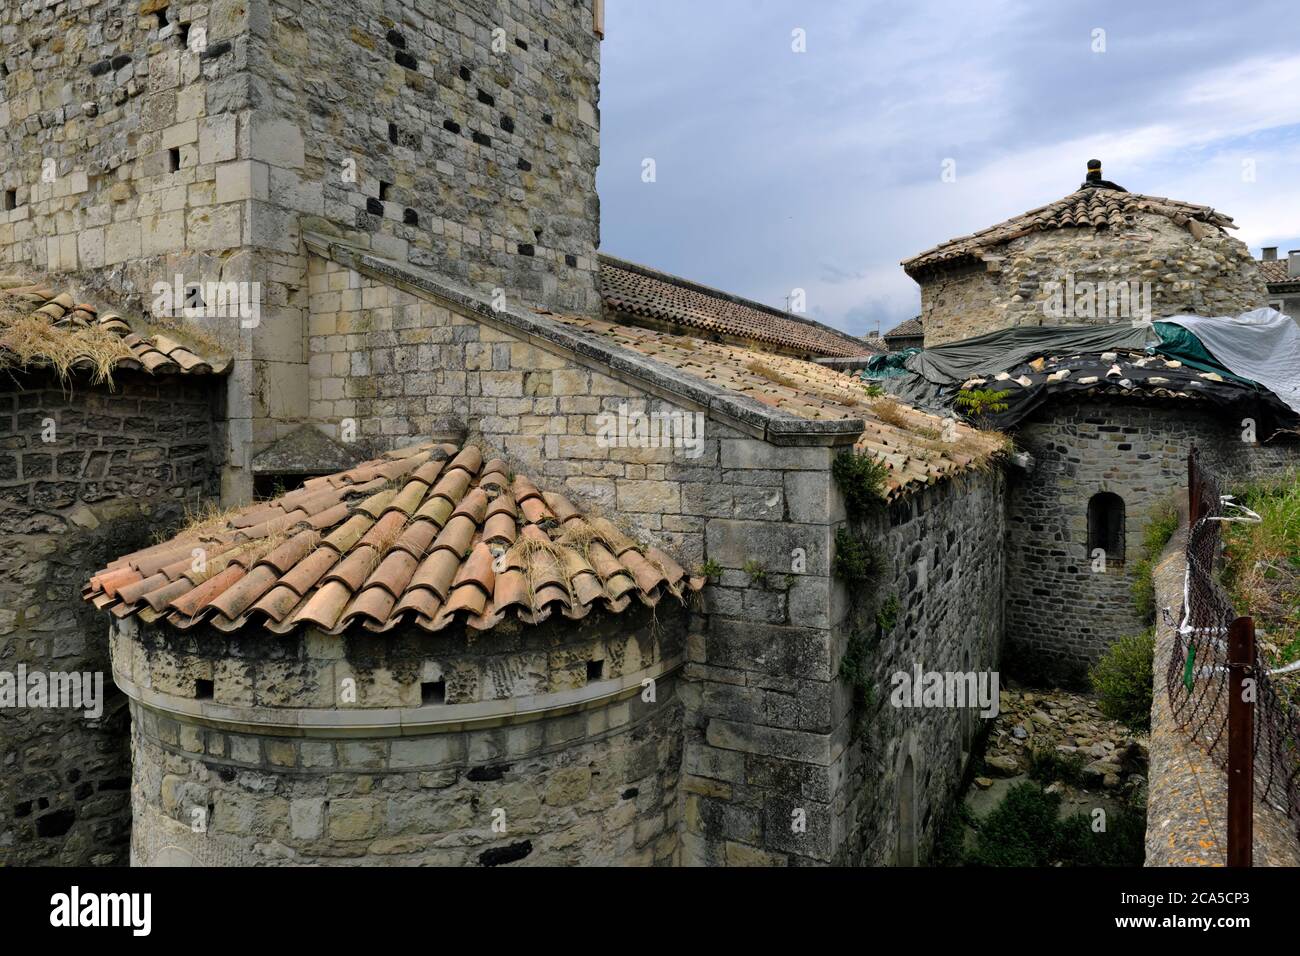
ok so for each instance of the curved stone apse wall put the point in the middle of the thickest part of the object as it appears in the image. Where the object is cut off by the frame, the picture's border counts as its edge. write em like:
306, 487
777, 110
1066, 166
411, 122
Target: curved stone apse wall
558, 744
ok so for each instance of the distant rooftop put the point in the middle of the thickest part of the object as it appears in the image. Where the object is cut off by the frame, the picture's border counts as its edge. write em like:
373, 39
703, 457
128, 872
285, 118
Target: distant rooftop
1275, 271
910, 329
675, 304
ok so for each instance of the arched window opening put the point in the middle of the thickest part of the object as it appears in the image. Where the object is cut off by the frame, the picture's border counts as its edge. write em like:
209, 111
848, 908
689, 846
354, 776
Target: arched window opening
907, 814
1106, 526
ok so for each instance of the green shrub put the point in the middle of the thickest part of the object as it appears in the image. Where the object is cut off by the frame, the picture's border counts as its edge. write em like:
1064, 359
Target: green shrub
861, 479
1024, 830
1047, 764
710, 569
977, 402
1123, 679
887, 614
1161, 525
1019, 831
855, 561
1123, 843
855, 668
948, 842
1144, 591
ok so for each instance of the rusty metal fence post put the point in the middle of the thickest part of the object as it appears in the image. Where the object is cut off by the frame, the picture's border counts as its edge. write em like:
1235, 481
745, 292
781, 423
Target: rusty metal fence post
1241, 741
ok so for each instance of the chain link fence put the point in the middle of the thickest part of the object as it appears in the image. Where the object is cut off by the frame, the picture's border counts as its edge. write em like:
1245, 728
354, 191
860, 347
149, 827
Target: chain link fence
1198, 675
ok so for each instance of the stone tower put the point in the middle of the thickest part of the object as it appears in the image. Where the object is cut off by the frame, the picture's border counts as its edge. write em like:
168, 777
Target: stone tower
1099, 255
155, 143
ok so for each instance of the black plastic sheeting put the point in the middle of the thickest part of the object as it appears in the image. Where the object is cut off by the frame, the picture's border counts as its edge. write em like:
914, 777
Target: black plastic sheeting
1032, 364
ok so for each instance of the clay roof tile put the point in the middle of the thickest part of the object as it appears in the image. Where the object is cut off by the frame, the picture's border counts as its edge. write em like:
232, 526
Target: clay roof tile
376, 560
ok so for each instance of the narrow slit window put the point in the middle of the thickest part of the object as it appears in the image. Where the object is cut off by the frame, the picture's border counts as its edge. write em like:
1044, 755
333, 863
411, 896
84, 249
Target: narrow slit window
174, 159
11, 199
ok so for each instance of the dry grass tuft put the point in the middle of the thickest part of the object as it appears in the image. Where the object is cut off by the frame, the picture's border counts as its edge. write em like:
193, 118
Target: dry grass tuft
197, 339
890, 412
31, 339
248, 553
538, 559
202, 521
772, 375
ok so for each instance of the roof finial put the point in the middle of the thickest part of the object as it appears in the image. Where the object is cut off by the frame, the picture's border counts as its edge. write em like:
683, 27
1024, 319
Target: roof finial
1094, 180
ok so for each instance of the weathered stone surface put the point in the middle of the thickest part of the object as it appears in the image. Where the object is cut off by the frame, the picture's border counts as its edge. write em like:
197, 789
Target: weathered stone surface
128, 462
1210, 274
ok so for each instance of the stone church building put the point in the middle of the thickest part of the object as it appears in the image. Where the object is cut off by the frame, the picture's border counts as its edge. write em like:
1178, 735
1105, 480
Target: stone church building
414, 530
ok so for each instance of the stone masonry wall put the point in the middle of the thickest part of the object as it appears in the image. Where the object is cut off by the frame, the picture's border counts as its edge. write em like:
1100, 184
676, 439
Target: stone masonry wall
1215, 275
119, 158
530, 752
150, 139
1060, 614
121, 465
758, 682
767, 721
471, 128
942, 551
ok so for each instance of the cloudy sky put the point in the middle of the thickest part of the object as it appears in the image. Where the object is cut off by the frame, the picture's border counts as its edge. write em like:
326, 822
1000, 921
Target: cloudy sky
820, 170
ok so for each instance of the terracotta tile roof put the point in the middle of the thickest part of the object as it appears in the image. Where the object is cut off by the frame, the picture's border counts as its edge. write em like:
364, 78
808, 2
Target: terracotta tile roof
157, 354
1275, 271
1085, 208
427, 535
908, 440
910, 329
636, 290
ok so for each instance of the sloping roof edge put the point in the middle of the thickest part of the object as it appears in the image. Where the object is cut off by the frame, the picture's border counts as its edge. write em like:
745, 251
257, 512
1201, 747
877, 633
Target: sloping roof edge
745, 414
846, 341
966, 250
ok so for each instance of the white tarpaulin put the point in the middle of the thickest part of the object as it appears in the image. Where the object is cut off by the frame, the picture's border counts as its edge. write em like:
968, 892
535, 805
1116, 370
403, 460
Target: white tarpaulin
1263, 346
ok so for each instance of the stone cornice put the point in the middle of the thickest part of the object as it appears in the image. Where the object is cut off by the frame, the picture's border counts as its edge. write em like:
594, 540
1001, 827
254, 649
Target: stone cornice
372, 722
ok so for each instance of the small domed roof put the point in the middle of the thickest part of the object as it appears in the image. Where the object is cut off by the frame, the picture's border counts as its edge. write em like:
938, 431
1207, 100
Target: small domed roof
428, 535
1096, 204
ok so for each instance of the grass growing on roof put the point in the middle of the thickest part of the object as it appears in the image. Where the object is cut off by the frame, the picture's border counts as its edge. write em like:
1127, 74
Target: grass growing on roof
30, 338
201, 521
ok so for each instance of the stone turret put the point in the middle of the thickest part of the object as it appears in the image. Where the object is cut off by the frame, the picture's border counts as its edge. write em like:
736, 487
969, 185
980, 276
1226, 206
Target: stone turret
1099, 255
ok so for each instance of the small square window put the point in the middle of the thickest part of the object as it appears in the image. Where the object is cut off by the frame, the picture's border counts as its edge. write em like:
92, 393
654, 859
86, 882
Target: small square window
203, 690
595, 670
174, 159
384, 190
433, 692
183, 31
